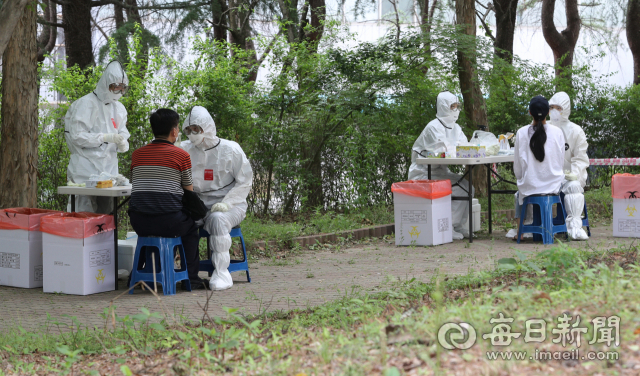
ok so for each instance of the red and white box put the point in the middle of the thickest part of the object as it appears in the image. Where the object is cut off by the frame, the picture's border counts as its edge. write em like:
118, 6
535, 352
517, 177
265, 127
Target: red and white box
21, 247
422, 211
78, 253
625, 190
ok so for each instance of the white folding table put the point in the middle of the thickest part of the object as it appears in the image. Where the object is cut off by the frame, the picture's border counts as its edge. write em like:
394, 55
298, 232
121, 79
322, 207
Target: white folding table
115, 192
470, 163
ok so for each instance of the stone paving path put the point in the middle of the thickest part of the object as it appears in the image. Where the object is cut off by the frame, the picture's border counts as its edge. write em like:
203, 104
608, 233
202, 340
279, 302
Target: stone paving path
308, 279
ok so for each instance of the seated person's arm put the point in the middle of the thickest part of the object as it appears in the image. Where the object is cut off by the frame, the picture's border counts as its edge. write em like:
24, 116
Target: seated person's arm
188, 187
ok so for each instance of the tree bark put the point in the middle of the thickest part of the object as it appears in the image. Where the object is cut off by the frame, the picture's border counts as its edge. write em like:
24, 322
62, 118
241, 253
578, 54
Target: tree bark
562, 43
19, 142
505, 28
318, 13
218, 8
47, 40
10, 14
474, 104
633, 36
76, 18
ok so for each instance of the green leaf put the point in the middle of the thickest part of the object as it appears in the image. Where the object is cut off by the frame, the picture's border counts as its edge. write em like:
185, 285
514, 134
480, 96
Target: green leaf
125, 370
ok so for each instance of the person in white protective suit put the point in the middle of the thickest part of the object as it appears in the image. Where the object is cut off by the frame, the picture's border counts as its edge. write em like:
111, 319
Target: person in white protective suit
443, 135
222, 177
96, 130
576, 163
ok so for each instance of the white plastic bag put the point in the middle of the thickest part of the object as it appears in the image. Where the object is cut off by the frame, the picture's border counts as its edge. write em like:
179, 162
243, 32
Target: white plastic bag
486, 139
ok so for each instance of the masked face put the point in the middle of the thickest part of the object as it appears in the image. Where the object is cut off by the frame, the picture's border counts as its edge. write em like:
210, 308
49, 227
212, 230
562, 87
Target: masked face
196, 139
555, 115
455, 114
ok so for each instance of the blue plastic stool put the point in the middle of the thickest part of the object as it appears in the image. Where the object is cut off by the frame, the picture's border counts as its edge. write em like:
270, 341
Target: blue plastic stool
543, 226
585, 220
234, 265
166, 274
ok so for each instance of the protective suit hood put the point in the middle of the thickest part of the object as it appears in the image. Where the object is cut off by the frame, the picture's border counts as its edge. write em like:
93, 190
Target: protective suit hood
443, 107
113, 74
562, 99
200, 116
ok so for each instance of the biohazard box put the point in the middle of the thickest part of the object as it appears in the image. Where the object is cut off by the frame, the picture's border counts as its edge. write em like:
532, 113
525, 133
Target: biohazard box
78, 253
21, 247
422, 212
625, 189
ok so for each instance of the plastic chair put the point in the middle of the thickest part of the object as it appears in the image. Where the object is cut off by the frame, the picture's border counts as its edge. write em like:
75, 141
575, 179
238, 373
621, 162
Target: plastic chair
234, 265
162, 249
544, 227
585, 220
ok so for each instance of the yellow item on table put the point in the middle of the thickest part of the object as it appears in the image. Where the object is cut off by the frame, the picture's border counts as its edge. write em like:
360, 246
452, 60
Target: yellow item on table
105, 184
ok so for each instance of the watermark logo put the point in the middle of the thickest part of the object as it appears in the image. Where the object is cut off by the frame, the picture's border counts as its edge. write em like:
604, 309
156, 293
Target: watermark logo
450, 333
568, 331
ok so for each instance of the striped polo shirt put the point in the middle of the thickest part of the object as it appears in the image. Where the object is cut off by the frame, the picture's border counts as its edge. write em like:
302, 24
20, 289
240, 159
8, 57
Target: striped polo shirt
159, 170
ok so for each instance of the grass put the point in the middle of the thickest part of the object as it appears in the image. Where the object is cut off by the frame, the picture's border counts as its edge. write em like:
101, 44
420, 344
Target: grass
388, 333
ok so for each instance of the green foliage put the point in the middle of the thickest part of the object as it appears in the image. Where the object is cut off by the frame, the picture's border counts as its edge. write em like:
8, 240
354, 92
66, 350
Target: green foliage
333, 129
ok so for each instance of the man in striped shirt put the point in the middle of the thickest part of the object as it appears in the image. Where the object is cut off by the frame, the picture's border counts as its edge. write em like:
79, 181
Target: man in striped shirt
160, 172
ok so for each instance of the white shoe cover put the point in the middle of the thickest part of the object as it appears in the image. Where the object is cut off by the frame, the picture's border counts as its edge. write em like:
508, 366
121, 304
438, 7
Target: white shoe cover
221, 278
457, 236
514, 232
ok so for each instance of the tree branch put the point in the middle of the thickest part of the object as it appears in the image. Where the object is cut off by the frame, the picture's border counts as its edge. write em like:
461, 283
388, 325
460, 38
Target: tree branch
42, 21
93, 21
269, 47
176, 5
486, 27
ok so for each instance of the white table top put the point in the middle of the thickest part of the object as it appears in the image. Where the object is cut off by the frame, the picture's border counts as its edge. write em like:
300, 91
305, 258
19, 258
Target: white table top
104, 192
465, 161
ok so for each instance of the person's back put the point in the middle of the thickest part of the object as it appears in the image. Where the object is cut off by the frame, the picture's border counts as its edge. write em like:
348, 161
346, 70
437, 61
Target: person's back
539, 177
160, 175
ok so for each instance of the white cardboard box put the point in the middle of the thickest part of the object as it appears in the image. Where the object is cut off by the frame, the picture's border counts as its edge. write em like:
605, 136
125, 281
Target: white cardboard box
420, 221
126, 251
78, 266
626, 217
21, 258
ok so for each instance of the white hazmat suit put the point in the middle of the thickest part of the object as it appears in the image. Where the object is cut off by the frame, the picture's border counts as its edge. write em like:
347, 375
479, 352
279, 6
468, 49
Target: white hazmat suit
222, 177
576, 160
444, 134
95, 131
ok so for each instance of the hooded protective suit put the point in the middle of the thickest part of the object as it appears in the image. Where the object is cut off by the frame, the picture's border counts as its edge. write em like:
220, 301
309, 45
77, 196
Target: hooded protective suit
576, 160
443, 134
88, 121
221, 174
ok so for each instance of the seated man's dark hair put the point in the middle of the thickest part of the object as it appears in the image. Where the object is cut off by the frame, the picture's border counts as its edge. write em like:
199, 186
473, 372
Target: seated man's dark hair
163, 121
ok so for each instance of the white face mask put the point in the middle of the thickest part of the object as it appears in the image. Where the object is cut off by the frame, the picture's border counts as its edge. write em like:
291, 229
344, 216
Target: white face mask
555, 115
455, 115
196, 139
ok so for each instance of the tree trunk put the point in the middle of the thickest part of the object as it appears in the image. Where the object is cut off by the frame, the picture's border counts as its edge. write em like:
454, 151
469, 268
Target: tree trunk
474, 104
121, 39
47, 40
633, 36
19, 142
318, 14
562, 43
76, 17
218, 12
240, 35
505, 28
10, 14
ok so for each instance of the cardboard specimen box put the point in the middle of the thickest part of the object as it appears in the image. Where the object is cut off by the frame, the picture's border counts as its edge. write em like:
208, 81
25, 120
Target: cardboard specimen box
78, 253
21, 247
422, 212
625, 190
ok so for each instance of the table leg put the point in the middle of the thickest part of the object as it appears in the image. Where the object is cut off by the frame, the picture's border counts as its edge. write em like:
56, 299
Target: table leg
429, 172
115, 236
489, 196
470, 203
73, 203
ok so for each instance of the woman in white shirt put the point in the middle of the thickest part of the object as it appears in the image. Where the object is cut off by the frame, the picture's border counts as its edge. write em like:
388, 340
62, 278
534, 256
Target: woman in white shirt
539, 155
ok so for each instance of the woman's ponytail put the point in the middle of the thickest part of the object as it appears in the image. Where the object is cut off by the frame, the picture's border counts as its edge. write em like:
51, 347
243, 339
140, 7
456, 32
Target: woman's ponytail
538, 108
